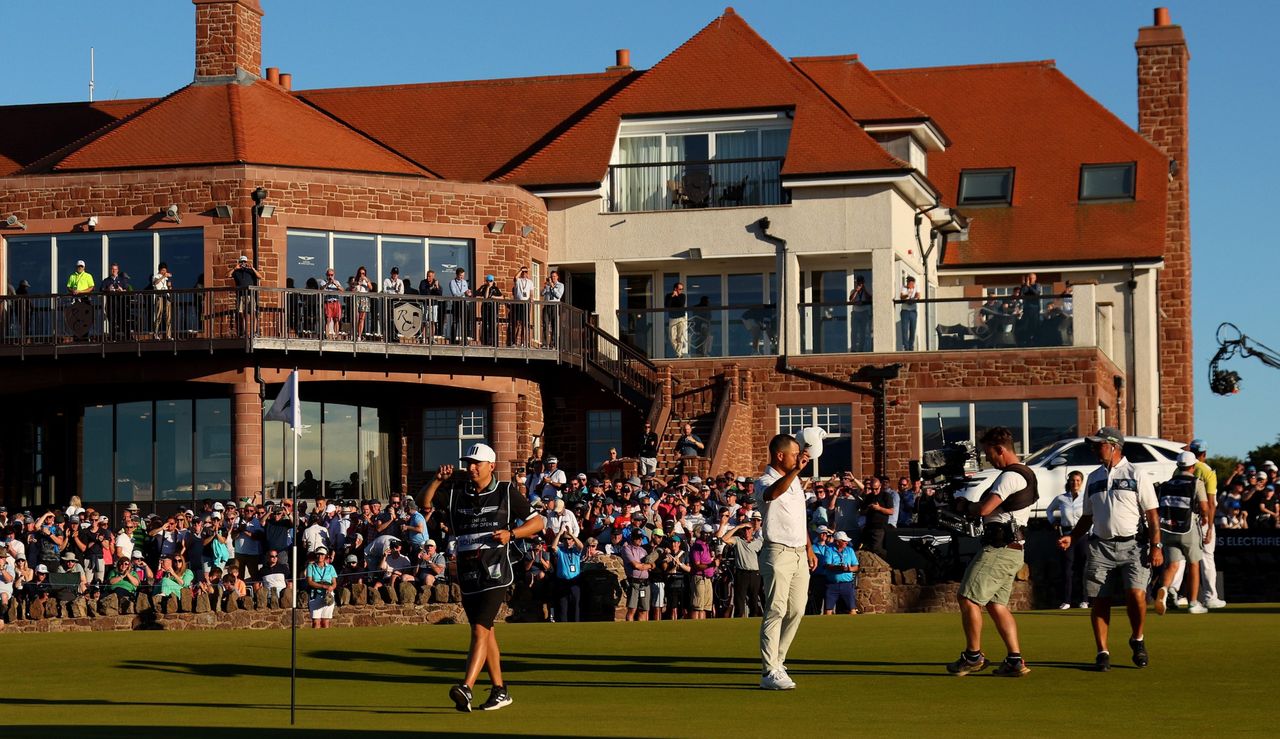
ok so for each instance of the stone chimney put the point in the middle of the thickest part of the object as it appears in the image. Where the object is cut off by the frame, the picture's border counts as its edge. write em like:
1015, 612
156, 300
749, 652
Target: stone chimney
228, 38
1162, 118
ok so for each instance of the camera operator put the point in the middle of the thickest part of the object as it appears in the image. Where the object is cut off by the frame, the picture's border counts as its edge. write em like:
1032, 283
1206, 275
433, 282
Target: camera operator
877, 505
988, 581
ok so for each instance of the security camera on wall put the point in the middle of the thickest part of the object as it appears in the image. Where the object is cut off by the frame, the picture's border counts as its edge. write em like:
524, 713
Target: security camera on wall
92, 223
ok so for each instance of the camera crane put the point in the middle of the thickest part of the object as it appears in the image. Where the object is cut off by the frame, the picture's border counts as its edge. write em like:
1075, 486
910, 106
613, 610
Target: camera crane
1227, 382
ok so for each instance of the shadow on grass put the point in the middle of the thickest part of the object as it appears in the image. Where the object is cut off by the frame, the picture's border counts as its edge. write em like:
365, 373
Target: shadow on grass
167, 732
223, 705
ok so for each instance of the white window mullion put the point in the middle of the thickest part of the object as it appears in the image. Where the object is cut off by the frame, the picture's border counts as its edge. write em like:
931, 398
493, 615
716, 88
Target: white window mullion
1026, 428
53, 265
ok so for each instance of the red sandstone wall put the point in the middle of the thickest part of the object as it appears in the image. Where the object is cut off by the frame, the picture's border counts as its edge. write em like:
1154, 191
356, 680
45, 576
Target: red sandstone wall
228, 35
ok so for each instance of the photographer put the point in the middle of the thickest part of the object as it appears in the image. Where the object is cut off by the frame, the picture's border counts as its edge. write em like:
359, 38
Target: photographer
839, 563
988, 581
878, 507
568, 565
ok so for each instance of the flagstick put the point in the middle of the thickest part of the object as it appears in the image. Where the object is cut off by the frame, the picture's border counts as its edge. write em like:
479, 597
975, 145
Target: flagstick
293, 611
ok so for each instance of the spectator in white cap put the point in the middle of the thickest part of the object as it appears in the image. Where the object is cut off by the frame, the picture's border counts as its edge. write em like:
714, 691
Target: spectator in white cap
839, 563
431, 565
1208, 567
80, 282
246, 277
322, 580
550, 482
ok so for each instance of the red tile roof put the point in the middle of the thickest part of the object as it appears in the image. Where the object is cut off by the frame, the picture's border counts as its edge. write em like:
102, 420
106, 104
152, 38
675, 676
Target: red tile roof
726, 66
29, 133
856, 89
466, 130
1032, 117
257, 123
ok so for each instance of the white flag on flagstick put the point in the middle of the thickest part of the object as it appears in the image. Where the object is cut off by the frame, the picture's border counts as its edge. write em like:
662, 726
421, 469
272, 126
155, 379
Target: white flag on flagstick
286, 407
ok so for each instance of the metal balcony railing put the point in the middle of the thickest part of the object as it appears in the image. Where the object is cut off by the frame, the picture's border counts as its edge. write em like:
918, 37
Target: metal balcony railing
684, 185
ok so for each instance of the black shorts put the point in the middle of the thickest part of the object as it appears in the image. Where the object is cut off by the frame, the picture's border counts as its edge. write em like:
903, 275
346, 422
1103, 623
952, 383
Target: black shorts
482, 608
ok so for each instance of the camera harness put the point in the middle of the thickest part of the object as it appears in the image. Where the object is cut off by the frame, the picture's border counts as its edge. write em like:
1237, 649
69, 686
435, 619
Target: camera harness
1009, 532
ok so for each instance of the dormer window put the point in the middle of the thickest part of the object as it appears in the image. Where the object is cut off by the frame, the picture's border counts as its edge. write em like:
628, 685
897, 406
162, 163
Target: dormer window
1107, 181
713, 162
986, 186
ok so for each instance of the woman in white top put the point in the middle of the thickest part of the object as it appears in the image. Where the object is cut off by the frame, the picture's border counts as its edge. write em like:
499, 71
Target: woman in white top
364, 286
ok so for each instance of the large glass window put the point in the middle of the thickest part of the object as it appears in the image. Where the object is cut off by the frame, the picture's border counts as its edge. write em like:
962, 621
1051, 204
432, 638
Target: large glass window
706, 335
213, 448
341, 462
986, 186
312, 252
28, 258
1107, 181
447, 256
96, 439
136, 255
407, 254
343, 452
174, 435
604, 432
351, 252
134, 481
183, 251
72, 248
45, 262
308, 257
1035, 423
836, 420
448, 432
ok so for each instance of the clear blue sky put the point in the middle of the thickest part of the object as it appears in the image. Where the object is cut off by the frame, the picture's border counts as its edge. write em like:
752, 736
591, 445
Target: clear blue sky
144, 49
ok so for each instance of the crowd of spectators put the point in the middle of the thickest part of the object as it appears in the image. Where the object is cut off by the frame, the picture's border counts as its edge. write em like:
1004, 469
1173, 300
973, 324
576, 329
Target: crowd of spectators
1248, 500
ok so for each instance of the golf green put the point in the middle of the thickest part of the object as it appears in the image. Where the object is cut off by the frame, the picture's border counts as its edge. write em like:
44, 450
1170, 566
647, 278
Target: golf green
879, 675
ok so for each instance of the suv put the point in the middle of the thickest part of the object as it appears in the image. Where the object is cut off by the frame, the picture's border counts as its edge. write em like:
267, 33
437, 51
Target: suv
1155, 457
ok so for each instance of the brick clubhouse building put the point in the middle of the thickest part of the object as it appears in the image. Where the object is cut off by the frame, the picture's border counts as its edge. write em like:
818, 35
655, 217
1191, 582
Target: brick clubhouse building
853, 245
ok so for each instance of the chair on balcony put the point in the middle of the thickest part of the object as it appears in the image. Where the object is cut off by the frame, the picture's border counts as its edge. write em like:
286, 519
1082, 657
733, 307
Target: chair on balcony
735, 193
677, 193
696, 186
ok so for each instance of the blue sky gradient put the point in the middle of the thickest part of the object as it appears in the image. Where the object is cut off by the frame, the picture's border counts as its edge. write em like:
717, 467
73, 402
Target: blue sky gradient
144, 48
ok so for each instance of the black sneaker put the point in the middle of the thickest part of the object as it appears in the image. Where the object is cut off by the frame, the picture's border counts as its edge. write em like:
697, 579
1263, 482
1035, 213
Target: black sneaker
1139, 648
498, 698
461, 696
1103, 662
963, 666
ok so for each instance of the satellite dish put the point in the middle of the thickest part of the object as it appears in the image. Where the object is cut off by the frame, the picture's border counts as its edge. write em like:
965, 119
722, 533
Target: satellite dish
811, 438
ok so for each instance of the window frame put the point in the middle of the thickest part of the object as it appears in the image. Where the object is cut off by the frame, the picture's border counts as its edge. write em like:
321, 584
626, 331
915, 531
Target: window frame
1133, 182
464, 425
379, 270
1008, 198
810, 413
1024, 442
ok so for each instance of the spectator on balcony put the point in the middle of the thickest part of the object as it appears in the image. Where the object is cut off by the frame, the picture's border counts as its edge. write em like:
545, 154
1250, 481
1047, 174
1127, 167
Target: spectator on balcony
552, 294
860, 307
758, 320
246, 276
362, 286
522, 293
909, 296
391, 285
430, 287
162, 305
332, 305
678, 320
1027, 328
688, 445
490, 294
456, 313
116, 286
80, 282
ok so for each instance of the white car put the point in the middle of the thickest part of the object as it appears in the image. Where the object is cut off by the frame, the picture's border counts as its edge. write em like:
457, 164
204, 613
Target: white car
1154, 457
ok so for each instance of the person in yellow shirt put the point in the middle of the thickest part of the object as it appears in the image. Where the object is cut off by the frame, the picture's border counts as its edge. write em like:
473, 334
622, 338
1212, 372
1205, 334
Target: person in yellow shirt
80, 282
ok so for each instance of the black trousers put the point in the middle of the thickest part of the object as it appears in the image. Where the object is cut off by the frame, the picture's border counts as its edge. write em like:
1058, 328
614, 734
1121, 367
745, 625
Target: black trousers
873, 540
568, 601
746, 593
1072, 572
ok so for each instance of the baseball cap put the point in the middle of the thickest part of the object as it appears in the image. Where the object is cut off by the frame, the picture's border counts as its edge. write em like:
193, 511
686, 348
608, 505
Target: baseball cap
133, 508
1197, 446
79, 262
243, 258
708, 528
331, 508
824, 530
321, 550
1108, 434
137, 554
634, 481
68, 556
755, 516
429, 543
1186, 459
552, 460
395, 270
695, 480
488, 278
841, 536
352, 559
42, 568
582, 475
219, 507
480, 453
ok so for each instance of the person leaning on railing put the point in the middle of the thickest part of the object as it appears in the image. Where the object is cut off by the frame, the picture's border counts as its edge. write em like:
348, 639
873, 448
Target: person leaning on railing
246, 277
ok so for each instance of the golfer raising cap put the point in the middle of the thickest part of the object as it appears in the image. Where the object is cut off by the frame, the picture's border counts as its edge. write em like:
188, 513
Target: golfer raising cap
485, 515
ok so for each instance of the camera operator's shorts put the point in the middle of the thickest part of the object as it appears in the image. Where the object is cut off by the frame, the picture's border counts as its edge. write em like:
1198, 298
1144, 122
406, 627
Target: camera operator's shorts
703, 594
638, 594
1113, 567
989, 577
1187, 547
482, 608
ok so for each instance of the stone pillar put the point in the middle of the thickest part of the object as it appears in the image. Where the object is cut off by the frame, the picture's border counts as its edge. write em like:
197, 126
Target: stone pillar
502, 426
1162, 118
790, 313
246, 439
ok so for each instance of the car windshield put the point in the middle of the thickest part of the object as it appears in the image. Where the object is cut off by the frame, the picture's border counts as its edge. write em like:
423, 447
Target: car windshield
1045, 453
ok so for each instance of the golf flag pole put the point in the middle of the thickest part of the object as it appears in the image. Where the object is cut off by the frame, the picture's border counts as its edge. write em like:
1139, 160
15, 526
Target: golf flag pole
287, 408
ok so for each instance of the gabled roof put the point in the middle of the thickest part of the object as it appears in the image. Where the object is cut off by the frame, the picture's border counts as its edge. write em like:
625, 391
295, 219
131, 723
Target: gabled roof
29, 133
856, 89
1031, 117
466, 130
725, 67
228, 123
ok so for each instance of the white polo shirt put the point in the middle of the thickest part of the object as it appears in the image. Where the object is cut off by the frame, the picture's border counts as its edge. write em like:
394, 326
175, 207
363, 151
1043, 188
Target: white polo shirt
784, 516
1117, 499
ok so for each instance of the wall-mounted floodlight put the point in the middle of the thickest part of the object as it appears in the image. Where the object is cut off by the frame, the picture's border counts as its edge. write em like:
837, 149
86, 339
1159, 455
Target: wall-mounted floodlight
91, 223
695, 253
222, 211
525, 231
172, 213
497, 226
13, 222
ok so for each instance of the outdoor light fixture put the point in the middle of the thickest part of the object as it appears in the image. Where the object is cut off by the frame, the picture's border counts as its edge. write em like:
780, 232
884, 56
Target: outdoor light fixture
695, 253
172, 213
13, 222
497, 226
525, 231
222, 211
260, 210
91, 223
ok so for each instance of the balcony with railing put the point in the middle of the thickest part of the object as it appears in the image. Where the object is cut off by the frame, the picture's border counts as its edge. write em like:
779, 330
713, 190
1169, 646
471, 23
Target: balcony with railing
701, 331
685, 185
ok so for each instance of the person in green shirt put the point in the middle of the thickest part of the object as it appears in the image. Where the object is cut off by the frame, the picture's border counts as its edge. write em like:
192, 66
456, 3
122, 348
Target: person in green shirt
80, 282
174, 576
